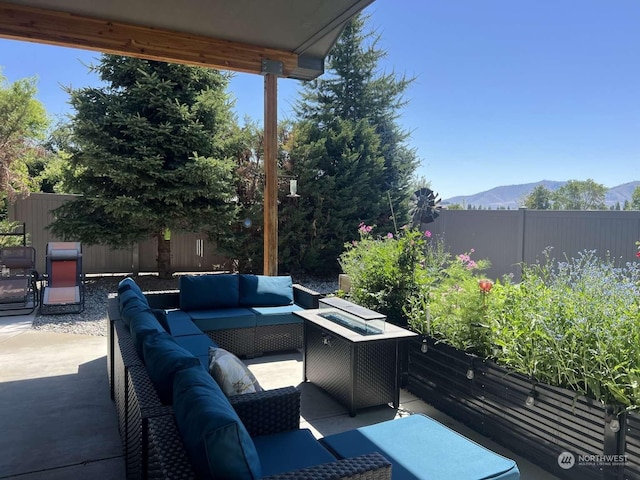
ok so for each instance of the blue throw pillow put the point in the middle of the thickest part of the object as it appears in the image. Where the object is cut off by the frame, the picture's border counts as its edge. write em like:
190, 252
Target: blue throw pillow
127, 296
205, 292
217, 442
163, 358
264, 291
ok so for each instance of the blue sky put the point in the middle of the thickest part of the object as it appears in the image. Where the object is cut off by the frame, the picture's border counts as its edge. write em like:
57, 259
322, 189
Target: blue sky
506, 92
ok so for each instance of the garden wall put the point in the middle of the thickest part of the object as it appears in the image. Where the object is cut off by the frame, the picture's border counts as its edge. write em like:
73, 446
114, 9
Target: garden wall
509, 237
189, 252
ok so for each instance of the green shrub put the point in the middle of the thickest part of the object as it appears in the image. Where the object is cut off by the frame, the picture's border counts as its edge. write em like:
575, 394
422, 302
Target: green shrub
387, 271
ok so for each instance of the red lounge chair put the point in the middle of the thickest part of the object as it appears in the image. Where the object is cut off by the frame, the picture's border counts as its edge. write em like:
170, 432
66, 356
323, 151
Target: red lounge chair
18, 280
64, 291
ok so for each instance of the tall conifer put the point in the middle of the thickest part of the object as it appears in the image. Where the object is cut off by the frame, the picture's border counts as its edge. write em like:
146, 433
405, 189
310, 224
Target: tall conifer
349, 154
150, 156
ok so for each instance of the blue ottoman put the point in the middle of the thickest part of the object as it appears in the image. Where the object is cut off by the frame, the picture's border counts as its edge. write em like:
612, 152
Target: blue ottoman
421, 448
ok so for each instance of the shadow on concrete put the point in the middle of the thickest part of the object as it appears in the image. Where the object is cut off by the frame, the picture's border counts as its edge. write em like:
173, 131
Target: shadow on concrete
61, 426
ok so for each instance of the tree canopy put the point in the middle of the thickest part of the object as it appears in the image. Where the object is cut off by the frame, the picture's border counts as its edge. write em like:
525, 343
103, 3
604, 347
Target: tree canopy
580, 195
348, 153
23, 126
150, 152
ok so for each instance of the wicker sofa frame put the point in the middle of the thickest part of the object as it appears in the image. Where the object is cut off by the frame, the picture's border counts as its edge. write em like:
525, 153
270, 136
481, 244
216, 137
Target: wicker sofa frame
152, 445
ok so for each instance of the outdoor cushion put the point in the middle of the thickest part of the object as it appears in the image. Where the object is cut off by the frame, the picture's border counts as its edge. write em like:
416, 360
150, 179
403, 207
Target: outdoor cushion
130, 284
290, 451
197, 345
223, 319
201, 292
161, 316
125, 297
141, 325
179, 323
276, 315
163, 357
265, 291
421, 448
232, 375
131, 308
217, 442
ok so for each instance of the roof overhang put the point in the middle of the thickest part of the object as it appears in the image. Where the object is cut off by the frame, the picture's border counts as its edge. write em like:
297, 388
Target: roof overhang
236, 35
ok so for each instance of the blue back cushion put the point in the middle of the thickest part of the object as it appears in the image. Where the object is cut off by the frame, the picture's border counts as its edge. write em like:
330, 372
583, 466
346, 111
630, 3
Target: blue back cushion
203, 292
217, 442
131, 307
128, 284
264, 291
142, 324
163, 357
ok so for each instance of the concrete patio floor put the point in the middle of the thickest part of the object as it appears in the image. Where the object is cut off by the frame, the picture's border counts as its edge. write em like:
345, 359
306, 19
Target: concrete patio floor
58, 422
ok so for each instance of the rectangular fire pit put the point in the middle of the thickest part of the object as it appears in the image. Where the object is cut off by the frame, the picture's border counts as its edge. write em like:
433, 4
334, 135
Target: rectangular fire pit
354, 360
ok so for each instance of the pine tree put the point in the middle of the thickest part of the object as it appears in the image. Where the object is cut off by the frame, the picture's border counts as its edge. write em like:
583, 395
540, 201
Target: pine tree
348, 153
150, 155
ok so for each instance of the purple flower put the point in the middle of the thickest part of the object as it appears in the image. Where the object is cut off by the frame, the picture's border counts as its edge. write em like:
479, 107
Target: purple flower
389, 235
427, 233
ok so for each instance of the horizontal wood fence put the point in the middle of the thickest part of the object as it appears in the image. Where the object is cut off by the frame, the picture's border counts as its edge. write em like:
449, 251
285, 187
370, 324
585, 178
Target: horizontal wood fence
190, 252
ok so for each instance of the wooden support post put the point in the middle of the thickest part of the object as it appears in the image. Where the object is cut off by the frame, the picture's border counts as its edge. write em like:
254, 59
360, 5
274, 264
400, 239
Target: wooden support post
270, 174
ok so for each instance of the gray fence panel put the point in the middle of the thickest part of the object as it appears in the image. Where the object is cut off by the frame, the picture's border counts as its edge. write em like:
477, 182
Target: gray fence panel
570, 232
509, 237
495, 235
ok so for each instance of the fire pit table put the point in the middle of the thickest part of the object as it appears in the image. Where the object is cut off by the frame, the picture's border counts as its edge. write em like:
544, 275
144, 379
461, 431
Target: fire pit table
353, 358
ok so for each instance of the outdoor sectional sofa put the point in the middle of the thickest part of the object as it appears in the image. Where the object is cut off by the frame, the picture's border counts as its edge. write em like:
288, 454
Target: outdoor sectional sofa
176, 423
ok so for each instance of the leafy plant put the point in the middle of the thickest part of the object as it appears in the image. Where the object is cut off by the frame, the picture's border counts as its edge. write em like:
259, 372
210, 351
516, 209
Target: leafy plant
388, 270
574, 324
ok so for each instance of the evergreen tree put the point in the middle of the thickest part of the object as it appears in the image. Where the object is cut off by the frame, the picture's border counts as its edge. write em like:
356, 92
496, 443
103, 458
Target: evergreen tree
150, 152
635, 200
348, 153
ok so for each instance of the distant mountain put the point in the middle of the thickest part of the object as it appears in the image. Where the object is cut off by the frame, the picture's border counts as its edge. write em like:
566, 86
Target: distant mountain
512, 196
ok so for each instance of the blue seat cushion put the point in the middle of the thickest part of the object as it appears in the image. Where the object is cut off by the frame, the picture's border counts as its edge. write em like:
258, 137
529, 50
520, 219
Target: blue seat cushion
204, 292
265, 291
217, 442
276, 315
179, 324
197, 345
223, 319
291, 450
421, 448
163, 358
142, 324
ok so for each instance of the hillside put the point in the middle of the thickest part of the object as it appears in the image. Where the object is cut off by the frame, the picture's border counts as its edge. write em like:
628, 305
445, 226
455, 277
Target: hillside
511, 196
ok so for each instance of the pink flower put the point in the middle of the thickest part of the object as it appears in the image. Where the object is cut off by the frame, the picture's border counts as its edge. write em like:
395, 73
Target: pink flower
368, 228
471, 265
389, 235
427, 233
638, 254
354, 243
472, 250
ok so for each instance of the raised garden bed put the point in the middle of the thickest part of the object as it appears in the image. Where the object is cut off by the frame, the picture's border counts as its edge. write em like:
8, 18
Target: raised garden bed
536, 421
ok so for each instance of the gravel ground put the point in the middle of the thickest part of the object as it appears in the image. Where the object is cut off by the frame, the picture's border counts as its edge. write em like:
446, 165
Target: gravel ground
93, 320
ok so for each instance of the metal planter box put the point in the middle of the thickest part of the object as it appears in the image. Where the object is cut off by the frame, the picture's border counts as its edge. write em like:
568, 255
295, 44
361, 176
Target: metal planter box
536, 421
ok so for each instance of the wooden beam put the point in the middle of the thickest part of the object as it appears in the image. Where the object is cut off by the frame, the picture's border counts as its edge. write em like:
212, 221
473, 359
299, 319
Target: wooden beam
70, 30
270, 174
